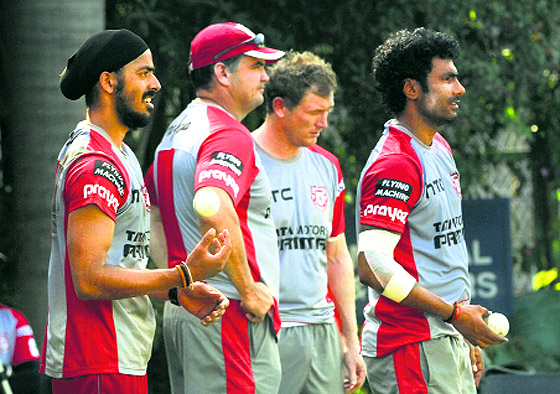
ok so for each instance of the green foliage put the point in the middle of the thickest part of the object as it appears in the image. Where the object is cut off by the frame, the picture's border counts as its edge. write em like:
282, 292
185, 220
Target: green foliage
509, 58
509, 64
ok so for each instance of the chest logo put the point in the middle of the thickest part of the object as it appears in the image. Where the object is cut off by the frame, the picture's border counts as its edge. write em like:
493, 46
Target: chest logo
456, 183
146, 198
319, 197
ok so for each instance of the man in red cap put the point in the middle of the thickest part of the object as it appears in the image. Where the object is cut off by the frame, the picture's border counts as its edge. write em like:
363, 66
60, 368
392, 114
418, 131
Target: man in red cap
100, 325
207, 174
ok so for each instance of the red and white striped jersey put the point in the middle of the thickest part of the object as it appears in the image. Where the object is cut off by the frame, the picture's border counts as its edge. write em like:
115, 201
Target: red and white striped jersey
91, 337
206, 146
413, 189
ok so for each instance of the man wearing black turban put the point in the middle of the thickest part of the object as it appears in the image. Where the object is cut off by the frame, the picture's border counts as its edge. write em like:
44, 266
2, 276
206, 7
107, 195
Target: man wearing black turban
101, 324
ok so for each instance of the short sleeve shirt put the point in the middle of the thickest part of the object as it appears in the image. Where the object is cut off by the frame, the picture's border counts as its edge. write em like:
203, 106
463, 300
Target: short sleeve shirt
98, 336
308, 210
413, 189
206, 146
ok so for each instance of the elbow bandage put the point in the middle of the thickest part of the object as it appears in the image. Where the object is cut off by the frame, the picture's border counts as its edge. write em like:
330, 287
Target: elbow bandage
378, 247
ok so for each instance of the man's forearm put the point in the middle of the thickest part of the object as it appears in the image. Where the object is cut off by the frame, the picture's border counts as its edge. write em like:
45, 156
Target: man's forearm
340, 273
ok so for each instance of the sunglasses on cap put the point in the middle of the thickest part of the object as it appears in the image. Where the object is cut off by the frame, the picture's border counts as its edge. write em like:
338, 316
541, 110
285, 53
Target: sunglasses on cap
258, 39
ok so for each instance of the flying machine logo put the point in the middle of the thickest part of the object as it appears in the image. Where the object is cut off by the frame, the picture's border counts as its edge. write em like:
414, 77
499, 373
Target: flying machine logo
456, 183
110, 172
227, 160
319, 197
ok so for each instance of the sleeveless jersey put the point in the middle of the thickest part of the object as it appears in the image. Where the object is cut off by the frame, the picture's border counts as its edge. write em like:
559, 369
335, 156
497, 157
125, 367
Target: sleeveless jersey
308, 209
413, 189
92, 337
206, 146
17, 344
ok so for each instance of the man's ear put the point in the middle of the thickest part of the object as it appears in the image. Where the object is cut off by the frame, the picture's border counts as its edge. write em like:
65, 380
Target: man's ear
222, 74
108, 82
279, 107
411, 88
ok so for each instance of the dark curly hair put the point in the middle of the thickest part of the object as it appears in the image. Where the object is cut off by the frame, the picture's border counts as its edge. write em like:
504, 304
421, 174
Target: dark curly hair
408, 54
294, 75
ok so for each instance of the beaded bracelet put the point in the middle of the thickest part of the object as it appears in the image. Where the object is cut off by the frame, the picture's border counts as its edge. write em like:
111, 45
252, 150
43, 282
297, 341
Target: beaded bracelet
186, 275
455, 314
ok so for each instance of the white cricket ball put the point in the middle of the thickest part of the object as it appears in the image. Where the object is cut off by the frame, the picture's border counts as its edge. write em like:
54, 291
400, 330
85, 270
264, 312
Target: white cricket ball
206, 203
498, 323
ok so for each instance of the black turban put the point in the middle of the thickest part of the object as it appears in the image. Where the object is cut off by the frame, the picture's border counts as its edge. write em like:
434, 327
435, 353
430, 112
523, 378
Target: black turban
106, 51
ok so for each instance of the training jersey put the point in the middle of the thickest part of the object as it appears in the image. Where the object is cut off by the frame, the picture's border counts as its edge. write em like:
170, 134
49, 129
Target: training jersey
17, 344
308, 210
207, 146
106, 336
413, 189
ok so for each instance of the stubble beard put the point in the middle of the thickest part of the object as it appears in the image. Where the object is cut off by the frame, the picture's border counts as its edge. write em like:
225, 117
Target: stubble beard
433, 117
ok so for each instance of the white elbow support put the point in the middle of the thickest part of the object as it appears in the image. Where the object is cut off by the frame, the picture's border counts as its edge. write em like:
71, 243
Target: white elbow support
400, 285
378, 247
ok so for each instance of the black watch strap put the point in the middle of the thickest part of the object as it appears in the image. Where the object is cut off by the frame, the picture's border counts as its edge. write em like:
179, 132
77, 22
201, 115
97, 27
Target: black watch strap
172, 294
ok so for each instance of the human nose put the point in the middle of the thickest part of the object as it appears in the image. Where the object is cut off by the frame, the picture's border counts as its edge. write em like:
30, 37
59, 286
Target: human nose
154, 83
459, 89
323, 122
264, 76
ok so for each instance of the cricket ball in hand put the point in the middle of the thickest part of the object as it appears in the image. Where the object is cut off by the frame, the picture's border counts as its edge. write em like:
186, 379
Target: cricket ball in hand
498, 323
206, 202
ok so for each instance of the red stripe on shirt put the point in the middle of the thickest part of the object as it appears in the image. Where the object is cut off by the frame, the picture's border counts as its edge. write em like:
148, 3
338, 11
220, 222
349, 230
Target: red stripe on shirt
338, 221
176, 250
89, 325
401, 324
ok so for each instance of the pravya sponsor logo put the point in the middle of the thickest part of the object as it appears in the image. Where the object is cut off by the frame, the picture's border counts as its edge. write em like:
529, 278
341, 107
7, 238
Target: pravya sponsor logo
384, 210
220, 176
103, 193
456, 183
303, 237
227, 160
393, 188
138, 244
110, 172
450, 232
320, 197
434, 187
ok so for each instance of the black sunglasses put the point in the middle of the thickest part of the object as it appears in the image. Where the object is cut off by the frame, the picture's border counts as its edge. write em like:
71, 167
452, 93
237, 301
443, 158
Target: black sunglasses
258, 39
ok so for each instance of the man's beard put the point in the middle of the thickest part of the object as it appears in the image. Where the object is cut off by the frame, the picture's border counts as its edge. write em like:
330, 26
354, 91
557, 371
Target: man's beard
127, 115
436, 119
433, 117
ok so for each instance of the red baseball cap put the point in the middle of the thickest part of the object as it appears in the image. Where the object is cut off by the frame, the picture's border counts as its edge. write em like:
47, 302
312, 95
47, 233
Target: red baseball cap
222, 41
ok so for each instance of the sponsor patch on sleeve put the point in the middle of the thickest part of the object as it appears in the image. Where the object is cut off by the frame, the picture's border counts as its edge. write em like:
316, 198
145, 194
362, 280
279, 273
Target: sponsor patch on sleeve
227, 160
393, 188
110, 172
